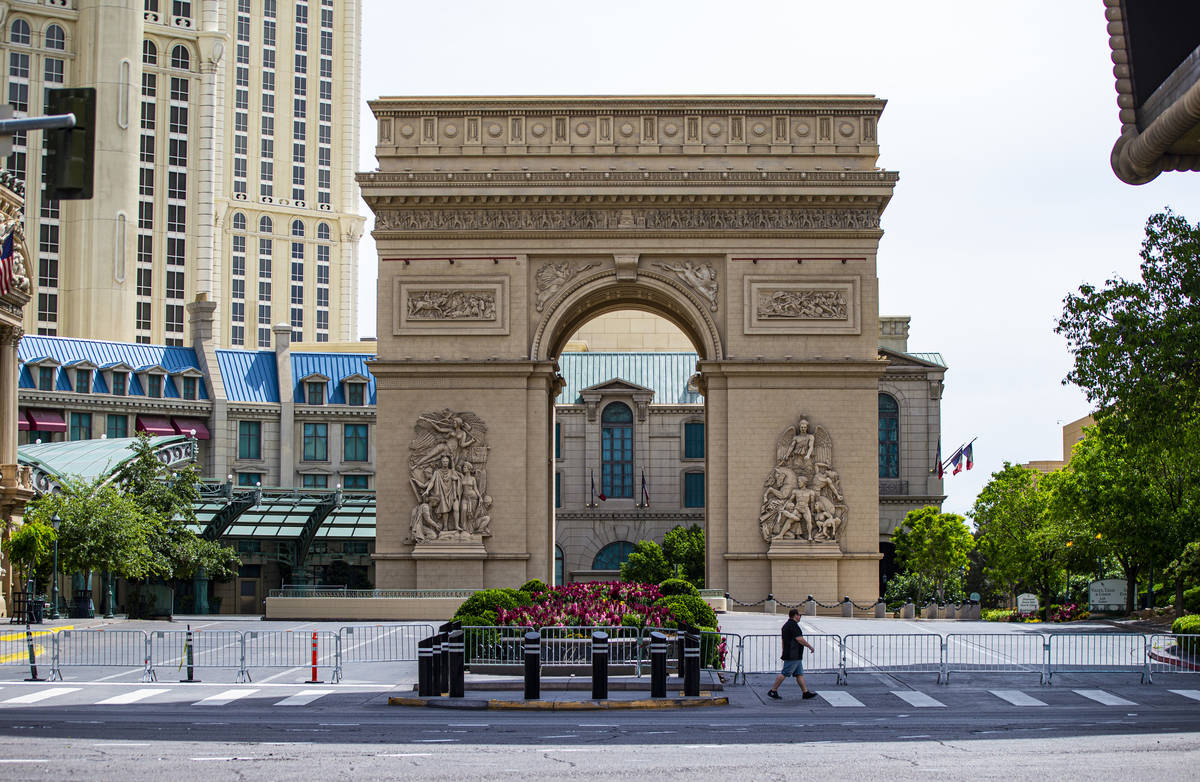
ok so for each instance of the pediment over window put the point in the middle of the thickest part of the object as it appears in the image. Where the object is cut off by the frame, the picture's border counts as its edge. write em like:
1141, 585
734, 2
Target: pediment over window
616, 388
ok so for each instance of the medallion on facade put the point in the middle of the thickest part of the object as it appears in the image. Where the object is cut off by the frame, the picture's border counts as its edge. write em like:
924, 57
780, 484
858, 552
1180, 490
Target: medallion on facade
447, 471
802, 498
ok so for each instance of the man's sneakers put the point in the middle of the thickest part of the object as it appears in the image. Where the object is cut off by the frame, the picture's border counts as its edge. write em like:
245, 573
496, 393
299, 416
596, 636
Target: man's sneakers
808, 694
773, 695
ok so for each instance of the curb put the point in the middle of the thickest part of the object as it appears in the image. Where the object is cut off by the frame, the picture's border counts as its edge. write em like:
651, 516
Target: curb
495, 704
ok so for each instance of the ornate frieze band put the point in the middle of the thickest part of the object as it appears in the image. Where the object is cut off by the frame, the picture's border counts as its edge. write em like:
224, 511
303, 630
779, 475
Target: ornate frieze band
691, 219
439, 305
778, 305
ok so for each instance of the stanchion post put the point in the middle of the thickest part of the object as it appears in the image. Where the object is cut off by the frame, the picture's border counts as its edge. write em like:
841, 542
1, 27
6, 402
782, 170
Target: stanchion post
810, 606
33, 672
691, 652
454, 656
599, 665
533, 665
314, 679
188, 656
847, 607
658, 665
425, 667
771, 606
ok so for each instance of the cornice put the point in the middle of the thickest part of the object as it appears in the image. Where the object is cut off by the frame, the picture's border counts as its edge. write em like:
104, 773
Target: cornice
623, 105
134, 404
911, 499
694, 178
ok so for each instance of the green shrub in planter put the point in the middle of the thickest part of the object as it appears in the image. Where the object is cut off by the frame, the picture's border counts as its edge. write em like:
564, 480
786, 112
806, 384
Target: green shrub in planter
1188, 625
492, 600
677, 586
533, 586
689, 609
1191, 600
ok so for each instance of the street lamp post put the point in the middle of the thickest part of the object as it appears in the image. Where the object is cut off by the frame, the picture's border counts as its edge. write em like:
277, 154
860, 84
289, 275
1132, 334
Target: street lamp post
55, 521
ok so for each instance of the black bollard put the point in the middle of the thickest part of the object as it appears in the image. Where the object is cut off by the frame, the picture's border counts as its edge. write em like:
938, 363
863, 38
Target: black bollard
599, 665
691, 653
33, 674
188, 656
533, 665
436, 682
658, 665
425, 667
454, 654
444, 665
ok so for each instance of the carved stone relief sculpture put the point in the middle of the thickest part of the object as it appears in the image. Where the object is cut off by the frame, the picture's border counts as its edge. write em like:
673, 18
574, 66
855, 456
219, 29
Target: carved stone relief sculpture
451, 305
701, 278
810, 304
447, 466
802, 498
551, 277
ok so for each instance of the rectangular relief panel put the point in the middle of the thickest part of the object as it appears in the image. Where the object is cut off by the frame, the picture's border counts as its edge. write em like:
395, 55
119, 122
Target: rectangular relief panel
786, 305
434, 306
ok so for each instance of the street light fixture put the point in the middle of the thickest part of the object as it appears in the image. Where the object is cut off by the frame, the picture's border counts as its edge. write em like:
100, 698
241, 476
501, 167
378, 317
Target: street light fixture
55, 522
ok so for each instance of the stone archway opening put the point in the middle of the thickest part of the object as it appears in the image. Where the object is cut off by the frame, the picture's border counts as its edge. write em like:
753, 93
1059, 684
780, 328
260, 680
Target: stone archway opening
629, 445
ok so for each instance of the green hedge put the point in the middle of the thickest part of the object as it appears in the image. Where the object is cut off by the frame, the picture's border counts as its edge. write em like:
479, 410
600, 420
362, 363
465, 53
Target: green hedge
1188, 625
689, 609
533, 587
677, 586
488, 601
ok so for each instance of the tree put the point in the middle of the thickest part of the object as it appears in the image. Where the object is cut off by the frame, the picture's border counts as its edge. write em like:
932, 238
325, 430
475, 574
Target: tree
29, 547
1106, 500
1020, 545
1136, 345
646, 564
934, 545
684, 549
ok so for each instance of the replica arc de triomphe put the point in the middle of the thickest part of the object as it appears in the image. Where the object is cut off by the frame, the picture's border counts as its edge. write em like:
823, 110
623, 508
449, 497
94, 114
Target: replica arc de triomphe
751, 223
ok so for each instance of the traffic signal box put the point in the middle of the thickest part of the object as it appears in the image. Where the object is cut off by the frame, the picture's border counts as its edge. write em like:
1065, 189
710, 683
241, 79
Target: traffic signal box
71, 152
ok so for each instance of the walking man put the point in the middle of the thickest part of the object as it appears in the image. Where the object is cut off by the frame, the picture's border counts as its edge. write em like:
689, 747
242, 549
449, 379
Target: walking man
793, 653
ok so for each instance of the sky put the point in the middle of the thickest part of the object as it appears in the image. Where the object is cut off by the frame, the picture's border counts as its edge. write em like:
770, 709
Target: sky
1000, 120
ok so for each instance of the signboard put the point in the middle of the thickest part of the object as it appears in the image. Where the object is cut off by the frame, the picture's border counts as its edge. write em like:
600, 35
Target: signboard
1107, 595
1027, 603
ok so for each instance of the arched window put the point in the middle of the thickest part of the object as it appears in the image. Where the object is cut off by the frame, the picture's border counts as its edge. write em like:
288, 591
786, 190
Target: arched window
889, 437
298, 229
55, 38
19, 32
264, 225
558, 566
239, 221
612, 555
181, 58
616, 450
149, 53
323, 231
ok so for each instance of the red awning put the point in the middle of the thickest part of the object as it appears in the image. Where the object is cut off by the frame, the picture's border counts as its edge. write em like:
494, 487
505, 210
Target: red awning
22, 422
46, 421
154, 425
186, 425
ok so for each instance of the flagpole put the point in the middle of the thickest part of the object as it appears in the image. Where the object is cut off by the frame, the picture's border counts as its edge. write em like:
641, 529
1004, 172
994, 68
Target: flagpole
958, 451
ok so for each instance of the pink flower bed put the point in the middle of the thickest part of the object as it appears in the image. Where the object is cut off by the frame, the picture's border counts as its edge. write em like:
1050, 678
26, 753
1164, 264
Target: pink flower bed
597, 603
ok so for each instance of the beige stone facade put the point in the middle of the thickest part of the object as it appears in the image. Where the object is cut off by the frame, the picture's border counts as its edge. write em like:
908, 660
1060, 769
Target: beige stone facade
226, 143
752, 223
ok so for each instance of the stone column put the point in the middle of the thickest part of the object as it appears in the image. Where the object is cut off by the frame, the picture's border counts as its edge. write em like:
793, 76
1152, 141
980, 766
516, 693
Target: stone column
287, 404
10, 336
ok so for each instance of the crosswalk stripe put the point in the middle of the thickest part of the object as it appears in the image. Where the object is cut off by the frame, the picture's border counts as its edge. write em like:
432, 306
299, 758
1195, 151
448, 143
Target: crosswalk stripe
130, 697
303, 698
1107, 698
39, 695
839, 698
1193, 694
917, 699
221, 698
1017, 698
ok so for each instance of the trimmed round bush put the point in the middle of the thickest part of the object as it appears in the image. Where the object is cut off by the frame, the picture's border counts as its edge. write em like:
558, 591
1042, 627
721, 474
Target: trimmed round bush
1191, 600
533, 586
492, 600
1187, 626
689, 609
485, 619
677, 586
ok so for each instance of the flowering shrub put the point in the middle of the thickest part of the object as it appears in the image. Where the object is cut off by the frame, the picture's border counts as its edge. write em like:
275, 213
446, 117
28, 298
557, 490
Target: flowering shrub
1008, 615
1068, 612
597, 603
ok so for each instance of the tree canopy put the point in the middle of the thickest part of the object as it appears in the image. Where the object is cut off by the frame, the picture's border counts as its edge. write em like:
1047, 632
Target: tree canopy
934, 545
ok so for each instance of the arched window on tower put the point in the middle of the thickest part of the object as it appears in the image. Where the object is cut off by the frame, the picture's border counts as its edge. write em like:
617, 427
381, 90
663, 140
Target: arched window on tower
181, 58
149, 53
889, 437
616, 450
19, 32
55, 38
611, 556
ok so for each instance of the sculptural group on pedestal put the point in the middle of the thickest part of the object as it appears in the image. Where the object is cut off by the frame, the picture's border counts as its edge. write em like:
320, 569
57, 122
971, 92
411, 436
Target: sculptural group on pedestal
802, 497
447, 471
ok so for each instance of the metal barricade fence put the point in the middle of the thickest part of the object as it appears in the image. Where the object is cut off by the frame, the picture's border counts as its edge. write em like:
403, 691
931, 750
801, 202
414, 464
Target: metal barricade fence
896, 653
995, 653
719, 652
209, 649
760, 654
381, 643
1097, 653
573, 645
1173, 653
102, 649
486, 645
14, 647
293, 649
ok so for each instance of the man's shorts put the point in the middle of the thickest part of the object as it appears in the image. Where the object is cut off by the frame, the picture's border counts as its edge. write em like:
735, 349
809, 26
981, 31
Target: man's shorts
792, 668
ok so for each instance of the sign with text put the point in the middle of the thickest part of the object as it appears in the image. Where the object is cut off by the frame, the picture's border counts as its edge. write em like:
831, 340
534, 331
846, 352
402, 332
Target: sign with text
1107, 595
1027, 603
